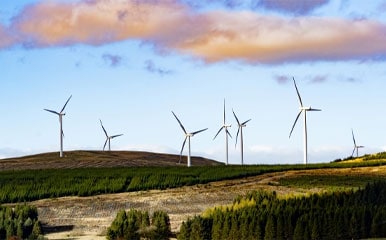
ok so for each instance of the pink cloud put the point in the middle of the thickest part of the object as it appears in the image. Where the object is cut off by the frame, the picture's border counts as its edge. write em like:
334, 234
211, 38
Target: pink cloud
5, 38
96, 22
269, 39
171, 26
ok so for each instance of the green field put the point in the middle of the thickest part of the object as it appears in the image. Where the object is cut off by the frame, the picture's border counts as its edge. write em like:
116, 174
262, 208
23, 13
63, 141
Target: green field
28, 185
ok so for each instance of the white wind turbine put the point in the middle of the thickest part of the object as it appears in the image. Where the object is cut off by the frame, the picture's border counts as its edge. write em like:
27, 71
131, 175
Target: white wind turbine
305, 110
356, 147
60, 114
108, 138
240, 129
187, 136
225, 127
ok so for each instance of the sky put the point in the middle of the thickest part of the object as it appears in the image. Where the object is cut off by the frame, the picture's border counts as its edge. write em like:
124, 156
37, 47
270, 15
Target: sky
130, 63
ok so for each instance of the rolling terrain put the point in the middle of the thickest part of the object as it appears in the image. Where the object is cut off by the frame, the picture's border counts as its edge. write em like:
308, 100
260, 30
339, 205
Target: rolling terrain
95, 159
77, 217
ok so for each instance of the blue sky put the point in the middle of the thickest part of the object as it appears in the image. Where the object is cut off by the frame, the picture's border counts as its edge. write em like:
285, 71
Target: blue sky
131, 63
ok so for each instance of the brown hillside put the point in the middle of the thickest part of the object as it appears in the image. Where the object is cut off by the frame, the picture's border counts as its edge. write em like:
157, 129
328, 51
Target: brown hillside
86, 159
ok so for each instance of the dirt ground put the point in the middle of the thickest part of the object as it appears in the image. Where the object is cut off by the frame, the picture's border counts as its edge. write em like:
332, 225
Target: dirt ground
89, 217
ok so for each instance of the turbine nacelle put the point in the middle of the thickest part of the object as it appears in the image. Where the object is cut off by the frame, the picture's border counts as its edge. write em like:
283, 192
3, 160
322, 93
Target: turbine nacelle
309, 109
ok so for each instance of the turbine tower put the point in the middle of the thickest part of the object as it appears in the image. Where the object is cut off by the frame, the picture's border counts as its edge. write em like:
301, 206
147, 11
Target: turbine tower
108, 138
240, 129
60, 114
303, 110
187, 136
356, 147
225, 127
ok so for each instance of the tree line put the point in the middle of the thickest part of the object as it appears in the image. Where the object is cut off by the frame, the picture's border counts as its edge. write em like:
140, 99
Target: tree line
136, 225
262, 215
29, 185
20, 222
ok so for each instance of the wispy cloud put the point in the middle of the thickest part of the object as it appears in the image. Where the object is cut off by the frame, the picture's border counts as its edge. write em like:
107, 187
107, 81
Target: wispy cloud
282, 79
212, 36
319, 79
151, 67
292, 6
5, 39
112, 60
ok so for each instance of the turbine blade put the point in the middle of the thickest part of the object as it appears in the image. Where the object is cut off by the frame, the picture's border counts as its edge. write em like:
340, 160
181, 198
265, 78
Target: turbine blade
218, 132
353, 151
104, 130
246, 122
234, 114
118, 135
178, 120
237, 135
182, 148
228, 133
66, 104
314, 109
104, 146
51, 111
194, 133
293, 126
224, 111
353, 138
297, 91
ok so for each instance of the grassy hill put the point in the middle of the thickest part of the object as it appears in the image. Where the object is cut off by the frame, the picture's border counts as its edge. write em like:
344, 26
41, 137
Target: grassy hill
102, 159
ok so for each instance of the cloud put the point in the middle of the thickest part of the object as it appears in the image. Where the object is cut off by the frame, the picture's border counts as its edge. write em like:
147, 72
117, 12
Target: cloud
112, 60
151, 67
292, 6
319, 79
282, 79
5, 39
171, 26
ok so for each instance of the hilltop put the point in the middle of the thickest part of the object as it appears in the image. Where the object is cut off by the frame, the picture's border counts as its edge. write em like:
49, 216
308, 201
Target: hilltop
96, 159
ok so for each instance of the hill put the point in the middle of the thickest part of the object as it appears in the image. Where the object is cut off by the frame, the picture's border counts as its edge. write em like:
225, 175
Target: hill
95, 159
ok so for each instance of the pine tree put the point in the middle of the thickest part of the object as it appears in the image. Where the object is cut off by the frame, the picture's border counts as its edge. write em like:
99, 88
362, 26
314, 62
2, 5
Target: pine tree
161, 224
270, 228
36, 230
185, 230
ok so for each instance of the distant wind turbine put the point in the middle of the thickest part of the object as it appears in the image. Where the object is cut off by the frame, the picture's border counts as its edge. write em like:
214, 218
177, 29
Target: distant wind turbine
240, 129
60, 114
187, 136
356, 147
225, 127
108, 138
305, 110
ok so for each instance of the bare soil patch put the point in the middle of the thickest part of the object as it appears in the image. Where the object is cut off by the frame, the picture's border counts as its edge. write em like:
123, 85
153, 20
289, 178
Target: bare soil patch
89, 217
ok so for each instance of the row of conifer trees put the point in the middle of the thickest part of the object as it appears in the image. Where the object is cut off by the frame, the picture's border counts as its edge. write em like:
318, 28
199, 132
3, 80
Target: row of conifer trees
261, 215
20, 222
136, 225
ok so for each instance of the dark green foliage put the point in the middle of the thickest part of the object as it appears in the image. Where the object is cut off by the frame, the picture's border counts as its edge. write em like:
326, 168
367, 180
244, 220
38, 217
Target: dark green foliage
28, 185
134, 225
19, 222
161, 224
338, 215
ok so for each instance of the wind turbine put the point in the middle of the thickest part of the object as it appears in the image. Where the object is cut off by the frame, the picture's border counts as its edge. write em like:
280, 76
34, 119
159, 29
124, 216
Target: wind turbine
187, 136
60, 114
108, 138
356, 147
225, 127
240, 129
303, 110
